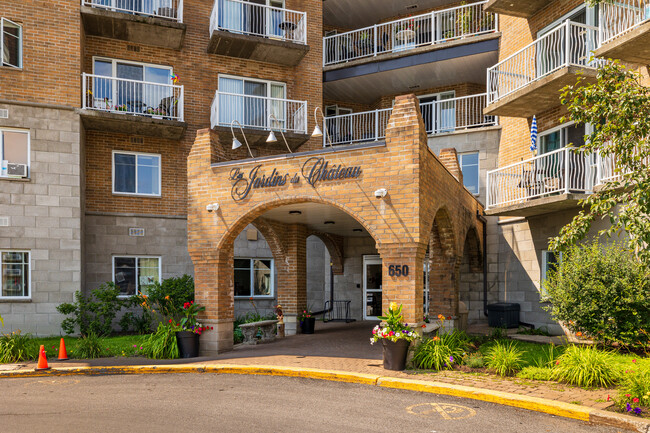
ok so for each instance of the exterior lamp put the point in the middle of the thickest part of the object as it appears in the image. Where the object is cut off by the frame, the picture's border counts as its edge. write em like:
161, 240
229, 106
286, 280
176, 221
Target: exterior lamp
272, 138
317, 131
236, 144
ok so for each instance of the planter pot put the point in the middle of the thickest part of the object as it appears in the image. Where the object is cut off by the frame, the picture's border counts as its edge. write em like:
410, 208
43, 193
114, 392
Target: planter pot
307, 325
188, 344
395, 354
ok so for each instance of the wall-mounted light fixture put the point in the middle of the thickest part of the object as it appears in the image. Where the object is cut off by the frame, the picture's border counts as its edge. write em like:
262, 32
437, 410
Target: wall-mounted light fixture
236, 144
272, 138
381, 193
212, 207
317, 131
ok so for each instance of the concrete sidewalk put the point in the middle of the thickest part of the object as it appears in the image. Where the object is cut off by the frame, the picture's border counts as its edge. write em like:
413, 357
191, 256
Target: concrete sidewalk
343, 348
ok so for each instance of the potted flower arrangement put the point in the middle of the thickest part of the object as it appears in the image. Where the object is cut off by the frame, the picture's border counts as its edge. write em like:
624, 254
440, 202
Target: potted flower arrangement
188, 330
395, 337
307, 321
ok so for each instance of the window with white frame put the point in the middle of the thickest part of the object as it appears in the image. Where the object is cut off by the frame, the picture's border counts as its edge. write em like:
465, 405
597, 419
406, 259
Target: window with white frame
254, 277
550, 261
136, 173
470, 168
134, 274
14, 153
249, 102
15, 278
561, 136
11, 43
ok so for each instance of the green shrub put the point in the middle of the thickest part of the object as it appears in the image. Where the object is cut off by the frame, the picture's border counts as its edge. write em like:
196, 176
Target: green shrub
170, 294
139, 322
603, 293
585, 367
94, 313
536, 373
634, 390
441, 352
16, 347
161, 344
88, 347
475, 360
547, 357
504, 359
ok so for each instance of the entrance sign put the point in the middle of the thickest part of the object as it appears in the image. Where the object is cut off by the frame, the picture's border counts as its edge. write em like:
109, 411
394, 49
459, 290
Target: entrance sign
314, 170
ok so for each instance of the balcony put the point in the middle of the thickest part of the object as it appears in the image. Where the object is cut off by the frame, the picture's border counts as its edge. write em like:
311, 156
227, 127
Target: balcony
258, 32
546, 183
258, 115
529, 81
149, 22
516, 8
625, 31
440, 117
132, 107
404, 36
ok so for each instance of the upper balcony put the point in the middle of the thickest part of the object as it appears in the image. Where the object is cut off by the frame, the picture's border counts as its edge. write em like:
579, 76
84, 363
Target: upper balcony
132, 107
529, 81
625, 31
516, 8
258, 115
547, 183
149, 22
436, 49
258, 32
440, 117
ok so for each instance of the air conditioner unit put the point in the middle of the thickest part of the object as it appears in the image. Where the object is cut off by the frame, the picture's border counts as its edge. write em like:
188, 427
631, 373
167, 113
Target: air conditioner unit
18, 170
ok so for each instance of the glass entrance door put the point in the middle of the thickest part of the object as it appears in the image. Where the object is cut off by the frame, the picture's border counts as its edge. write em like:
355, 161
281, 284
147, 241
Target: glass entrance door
372, 287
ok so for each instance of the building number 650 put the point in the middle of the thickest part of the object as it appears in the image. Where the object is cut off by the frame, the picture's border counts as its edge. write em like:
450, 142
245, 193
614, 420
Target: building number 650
398, 270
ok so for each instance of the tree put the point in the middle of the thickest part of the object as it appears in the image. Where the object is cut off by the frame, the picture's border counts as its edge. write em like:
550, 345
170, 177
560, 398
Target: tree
617, 107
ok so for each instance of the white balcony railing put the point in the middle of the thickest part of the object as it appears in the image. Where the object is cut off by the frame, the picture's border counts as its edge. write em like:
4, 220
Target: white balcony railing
561, 171
255, 112
571, 44
617, 18
169, 9
238, 16
142, 98
440, 117
407, 33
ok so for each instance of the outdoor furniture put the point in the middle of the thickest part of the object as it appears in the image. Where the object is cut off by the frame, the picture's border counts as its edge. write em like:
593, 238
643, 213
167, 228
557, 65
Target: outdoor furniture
288, 28
250, 331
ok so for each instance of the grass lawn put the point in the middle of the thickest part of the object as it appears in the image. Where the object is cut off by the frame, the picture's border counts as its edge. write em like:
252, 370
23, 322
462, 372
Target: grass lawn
122, 345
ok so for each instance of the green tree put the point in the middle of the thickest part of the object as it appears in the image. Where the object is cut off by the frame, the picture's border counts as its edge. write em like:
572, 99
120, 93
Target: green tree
616, 105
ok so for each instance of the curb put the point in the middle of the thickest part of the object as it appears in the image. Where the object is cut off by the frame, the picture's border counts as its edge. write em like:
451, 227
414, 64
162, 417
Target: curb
552, 407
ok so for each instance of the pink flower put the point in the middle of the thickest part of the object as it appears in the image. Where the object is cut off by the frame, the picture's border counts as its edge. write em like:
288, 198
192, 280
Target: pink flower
635, 400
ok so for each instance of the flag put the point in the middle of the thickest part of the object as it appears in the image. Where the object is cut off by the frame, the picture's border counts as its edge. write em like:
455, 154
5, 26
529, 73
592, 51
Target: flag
533, 135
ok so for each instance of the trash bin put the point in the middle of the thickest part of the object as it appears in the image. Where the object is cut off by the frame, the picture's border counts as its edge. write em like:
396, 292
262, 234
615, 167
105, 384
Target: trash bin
503, 315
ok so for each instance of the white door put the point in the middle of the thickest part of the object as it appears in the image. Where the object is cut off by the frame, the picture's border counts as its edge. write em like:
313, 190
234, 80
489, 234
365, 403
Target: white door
372, 272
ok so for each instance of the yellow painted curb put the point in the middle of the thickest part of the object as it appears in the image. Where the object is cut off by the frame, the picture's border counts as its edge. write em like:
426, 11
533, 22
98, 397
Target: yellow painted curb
536, 404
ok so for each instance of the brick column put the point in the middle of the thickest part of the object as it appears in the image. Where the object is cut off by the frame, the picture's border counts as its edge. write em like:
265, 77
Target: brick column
405, 290
292, 276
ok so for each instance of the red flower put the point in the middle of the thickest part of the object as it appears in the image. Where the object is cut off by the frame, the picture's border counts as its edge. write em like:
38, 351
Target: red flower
628, 395
211, 327
608, 397
635, 400
170, 320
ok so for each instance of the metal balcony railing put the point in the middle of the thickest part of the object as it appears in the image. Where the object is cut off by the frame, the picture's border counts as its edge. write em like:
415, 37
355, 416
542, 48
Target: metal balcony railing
447, 115
120, 95
238, 16
617, 18
561, 171
255, 112
571, 44
169, 9
407, 33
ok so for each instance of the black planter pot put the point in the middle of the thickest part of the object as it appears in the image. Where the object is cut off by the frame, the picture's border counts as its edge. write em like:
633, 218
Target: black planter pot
395, 354
307, 325
188, 344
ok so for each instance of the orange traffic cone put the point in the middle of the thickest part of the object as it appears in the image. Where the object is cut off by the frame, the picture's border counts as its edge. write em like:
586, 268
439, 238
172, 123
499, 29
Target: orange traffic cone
42, 360
63, 354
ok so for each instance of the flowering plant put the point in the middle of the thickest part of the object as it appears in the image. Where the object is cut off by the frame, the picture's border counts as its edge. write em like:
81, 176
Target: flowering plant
394, 329
189, 320
306, 314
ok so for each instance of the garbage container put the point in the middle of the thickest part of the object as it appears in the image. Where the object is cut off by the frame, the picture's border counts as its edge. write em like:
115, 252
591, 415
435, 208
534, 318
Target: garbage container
503, 315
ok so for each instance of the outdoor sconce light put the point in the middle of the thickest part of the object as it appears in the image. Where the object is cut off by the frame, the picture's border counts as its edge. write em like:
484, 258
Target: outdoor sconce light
272, 138
317, 131
381, 193
236, 144
212, 207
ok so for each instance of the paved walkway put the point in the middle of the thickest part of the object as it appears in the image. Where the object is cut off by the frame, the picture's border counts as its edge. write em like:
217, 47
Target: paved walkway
346, 347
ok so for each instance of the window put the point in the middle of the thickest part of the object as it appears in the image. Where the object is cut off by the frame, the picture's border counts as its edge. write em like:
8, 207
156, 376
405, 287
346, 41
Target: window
14, 280
469, 167
252, 17
439, 116
247, 101
11, 43
562, 136
136, 173
254, 277
14, 149
550, 261
133, 274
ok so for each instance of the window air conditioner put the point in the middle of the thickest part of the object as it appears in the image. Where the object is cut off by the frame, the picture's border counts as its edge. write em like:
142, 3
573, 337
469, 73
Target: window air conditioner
18, 170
